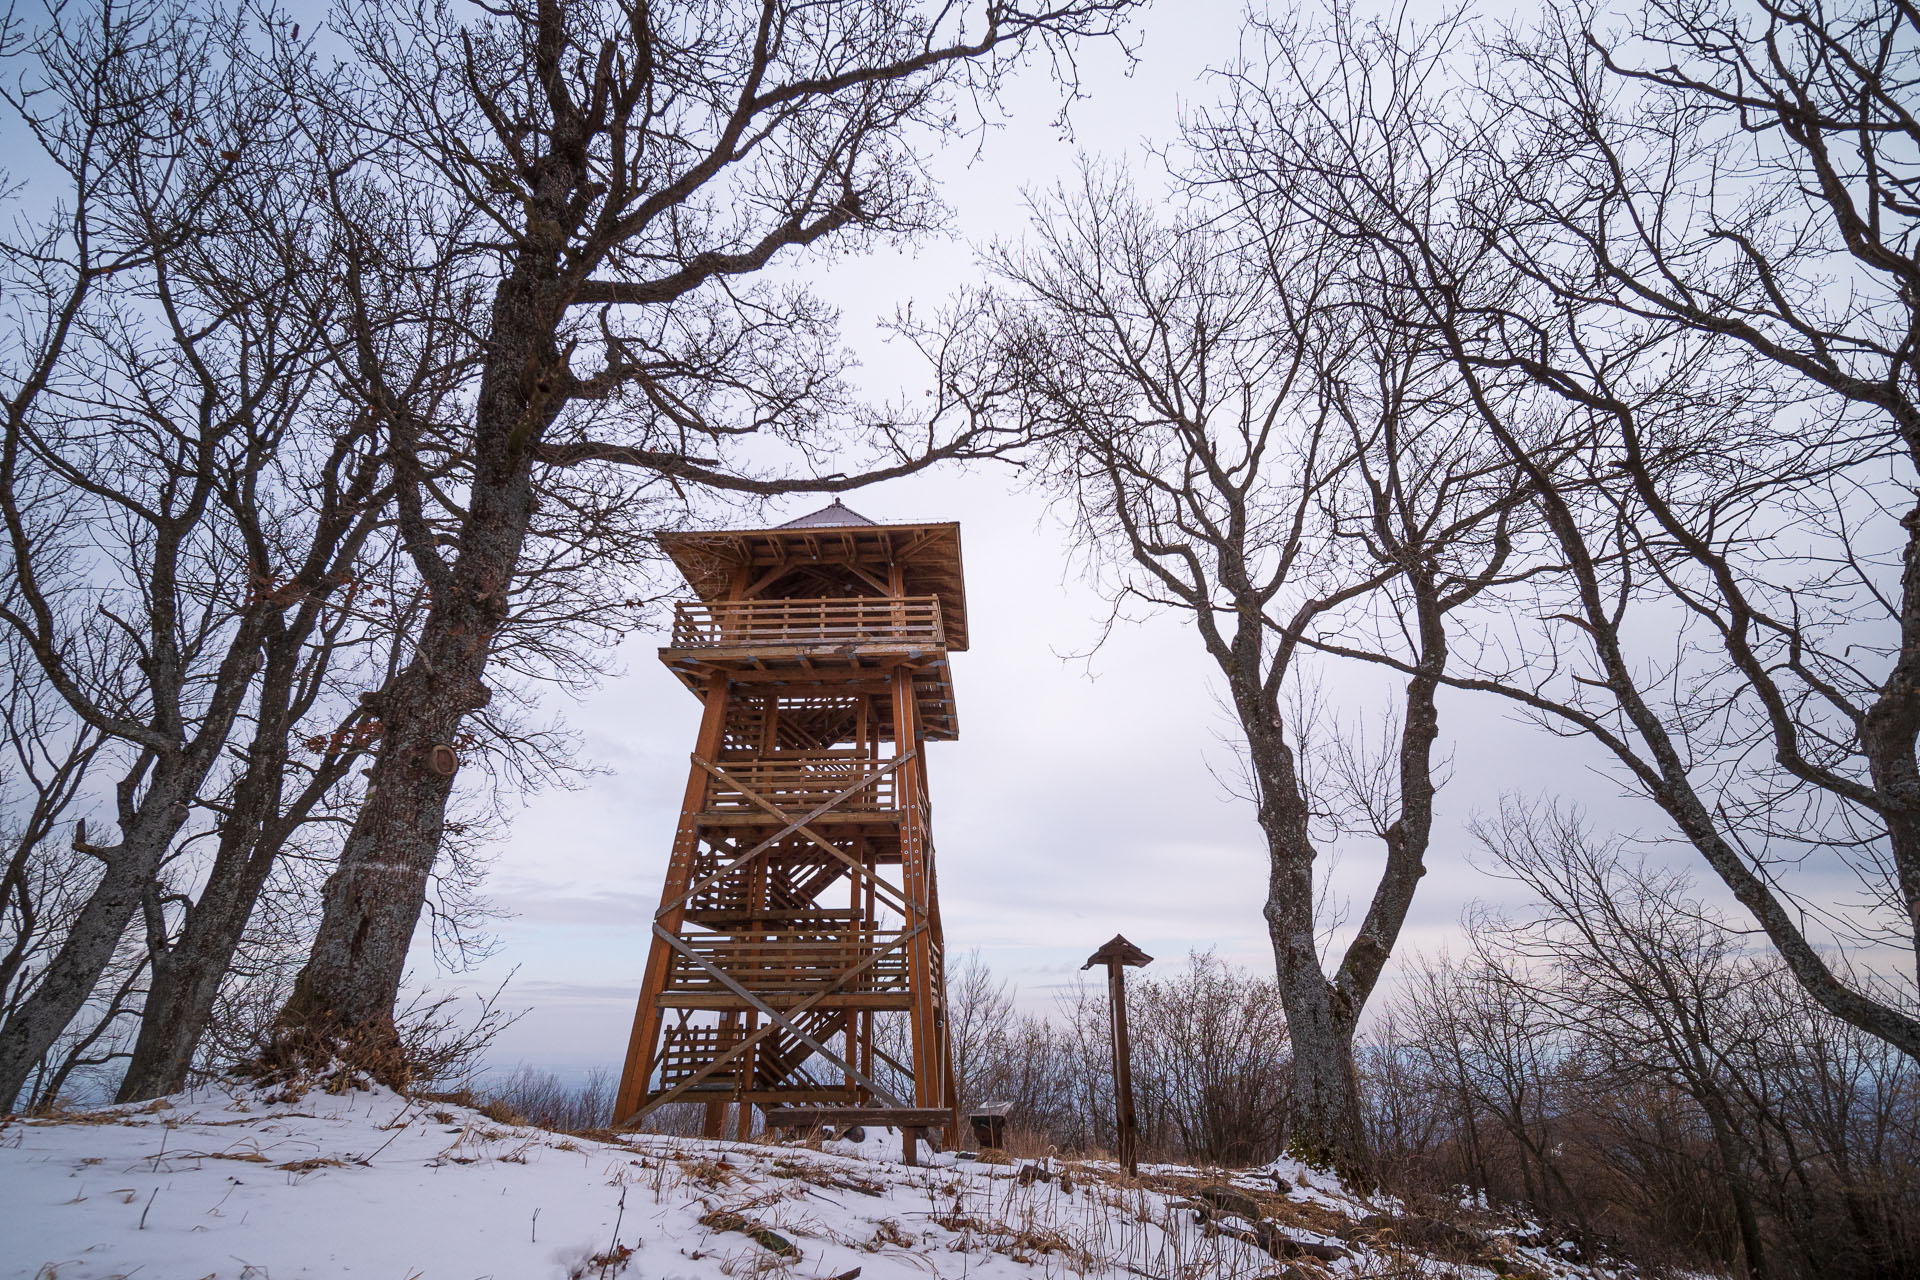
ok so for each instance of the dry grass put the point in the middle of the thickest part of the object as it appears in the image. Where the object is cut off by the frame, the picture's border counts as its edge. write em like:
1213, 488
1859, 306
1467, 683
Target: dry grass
888, 1236
766, 1237
826, 1177
250, 1157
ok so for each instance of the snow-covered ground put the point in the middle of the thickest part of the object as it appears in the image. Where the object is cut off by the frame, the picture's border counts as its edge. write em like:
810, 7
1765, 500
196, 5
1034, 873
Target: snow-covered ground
241, 1184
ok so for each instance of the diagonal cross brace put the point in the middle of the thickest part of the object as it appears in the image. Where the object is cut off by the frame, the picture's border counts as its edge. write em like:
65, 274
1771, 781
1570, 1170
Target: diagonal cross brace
793, 825
899, 897
769, 1028
726, 980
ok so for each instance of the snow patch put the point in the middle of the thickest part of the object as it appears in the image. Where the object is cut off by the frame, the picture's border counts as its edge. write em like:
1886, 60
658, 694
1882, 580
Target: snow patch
248, 1184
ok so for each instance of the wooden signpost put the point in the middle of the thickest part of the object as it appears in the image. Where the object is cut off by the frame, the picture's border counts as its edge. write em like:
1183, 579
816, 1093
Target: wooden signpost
1118, 955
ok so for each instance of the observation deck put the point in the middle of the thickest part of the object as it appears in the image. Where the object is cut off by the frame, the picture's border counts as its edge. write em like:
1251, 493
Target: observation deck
800, 902
896, 601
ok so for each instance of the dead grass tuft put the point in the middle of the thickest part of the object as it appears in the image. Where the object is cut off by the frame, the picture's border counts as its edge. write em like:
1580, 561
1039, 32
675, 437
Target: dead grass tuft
888, 1236
1024, 1244
766, 1237
708, 1173
250, 1157
608, 1262
832, 1179
60, 1115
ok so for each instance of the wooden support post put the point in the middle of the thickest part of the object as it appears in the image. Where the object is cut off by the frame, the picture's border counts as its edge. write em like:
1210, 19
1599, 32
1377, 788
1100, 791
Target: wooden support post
743, 1126
928, 1087
1119, 955
637, 1076
1127, 1122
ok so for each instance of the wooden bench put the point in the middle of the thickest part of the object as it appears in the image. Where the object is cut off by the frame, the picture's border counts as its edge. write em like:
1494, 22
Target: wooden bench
910, 1121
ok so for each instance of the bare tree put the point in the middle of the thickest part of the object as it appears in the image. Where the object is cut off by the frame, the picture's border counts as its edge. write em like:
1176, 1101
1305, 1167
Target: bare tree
1501, 1056
1685, 245
123, 436
1247, 440
979, 1018
200, 544
1637, 968
1813, 106
1661, 1081
631, 171
1210, 1061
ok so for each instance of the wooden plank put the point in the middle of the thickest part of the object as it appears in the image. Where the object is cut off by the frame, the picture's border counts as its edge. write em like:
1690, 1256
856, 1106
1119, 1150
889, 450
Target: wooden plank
892, 1117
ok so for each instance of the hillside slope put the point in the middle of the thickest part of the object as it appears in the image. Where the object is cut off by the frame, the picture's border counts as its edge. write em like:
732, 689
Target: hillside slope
248, 1185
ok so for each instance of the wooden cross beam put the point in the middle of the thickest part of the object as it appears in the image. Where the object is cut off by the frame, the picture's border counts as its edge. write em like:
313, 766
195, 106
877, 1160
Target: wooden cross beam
793, 825
899, 899
777, 1020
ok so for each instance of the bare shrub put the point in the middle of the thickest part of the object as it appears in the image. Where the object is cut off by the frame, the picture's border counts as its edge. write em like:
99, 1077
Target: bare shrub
1612, 1055
541, 1098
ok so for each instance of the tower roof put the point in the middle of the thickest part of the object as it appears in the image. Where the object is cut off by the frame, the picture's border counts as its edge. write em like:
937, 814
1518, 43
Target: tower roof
834, 515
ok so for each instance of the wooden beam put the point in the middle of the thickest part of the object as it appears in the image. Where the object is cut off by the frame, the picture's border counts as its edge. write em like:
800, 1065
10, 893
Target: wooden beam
800, 826
793, 825
726, 980
643, 1043
762, 1033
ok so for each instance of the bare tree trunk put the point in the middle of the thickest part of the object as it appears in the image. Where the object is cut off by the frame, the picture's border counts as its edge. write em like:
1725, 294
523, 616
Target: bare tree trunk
172, 773
1326, 1095
47, 1087
188, 974
373, 900
1323, 1015
1720, 1121
189, 971
83, 956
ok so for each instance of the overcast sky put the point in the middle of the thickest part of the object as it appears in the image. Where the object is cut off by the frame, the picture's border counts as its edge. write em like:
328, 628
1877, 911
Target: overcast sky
1081, 798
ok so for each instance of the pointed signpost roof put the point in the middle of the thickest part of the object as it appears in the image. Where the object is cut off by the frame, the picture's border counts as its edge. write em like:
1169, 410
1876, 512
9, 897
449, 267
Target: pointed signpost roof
1118, 948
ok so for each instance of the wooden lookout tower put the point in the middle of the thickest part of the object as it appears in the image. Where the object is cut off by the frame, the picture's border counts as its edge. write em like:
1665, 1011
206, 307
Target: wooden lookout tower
800, 906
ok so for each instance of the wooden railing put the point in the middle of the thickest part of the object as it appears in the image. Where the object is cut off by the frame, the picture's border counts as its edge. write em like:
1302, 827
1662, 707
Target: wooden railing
800, 783
804, 623
789, 963
686, 1050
